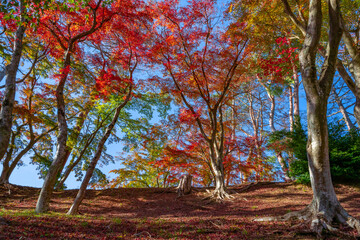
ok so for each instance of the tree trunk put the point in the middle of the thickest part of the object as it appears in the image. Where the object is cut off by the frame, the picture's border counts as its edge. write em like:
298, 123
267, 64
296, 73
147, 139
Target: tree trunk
5, 175
279, 156
296, 93
354, 52
61, 149
343, 111
325, 207
217, 167
7, 104
71, 166
89, 172
291, 109
2, 73
184, 186
73, 138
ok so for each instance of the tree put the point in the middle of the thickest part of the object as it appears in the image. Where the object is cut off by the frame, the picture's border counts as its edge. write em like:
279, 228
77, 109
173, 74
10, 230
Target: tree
65, 28
350, 26
201, 66
125, 52
10, 72
28, 120
325, 207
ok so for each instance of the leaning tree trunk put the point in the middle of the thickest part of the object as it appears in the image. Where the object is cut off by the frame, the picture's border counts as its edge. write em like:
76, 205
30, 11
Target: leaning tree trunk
7, 104
73, 164
73, 138
89, 172
354, 52
61, 149
343, 111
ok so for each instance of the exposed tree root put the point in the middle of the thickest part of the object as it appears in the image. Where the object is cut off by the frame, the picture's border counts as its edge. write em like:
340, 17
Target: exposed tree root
218, 195
319, 221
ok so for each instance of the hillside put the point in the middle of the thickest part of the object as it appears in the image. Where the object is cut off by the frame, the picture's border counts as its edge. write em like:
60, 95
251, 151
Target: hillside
159, 214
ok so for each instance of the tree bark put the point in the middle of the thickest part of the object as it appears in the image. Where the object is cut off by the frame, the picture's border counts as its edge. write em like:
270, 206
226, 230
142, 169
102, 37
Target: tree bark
184, 186
4, 178
7, 104
89, 172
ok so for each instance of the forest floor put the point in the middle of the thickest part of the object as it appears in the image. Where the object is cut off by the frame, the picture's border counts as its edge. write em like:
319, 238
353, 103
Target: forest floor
128, 213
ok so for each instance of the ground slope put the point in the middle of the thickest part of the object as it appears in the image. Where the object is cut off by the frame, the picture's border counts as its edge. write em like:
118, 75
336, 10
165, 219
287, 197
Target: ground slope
159, 214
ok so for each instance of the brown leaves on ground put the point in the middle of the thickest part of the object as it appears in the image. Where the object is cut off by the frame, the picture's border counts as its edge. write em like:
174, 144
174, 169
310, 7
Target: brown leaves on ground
129, 213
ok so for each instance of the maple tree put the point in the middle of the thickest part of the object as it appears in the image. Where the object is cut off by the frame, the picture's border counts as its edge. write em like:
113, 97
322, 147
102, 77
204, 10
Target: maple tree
65, 26
201, 64
123, 50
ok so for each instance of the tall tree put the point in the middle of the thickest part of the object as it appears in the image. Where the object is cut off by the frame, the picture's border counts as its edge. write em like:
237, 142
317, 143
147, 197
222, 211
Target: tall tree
65, 28
325, 207
201, 66
122, 50
10, 72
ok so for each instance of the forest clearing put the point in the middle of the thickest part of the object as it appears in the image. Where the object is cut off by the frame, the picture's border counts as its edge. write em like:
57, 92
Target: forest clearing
156, 213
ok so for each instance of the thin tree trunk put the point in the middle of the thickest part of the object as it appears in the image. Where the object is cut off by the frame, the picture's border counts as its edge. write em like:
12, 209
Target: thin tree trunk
343, 111
354, 52
89, 172
61, 149
71, 166
73, 138
7, 104
279, 156
2, 73
3, 178
296, 96
291, 109
5, 175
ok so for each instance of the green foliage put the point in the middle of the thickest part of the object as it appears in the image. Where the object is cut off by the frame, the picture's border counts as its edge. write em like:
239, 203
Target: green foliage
344, 153
299, 165
344, 150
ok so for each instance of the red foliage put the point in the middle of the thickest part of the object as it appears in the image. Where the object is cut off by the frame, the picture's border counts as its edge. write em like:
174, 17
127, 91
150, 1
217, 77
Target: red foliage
109, 82
280, 65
